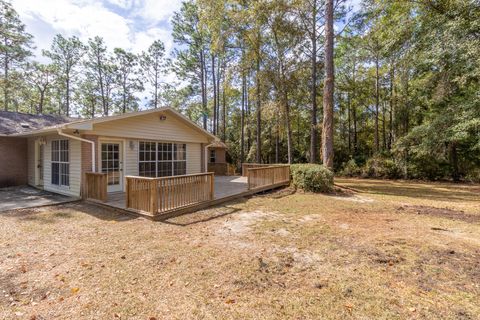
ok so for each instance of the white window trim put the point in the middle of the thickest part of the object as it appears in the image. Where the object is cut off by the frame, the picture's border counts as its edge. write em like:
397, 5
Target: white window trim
59, 162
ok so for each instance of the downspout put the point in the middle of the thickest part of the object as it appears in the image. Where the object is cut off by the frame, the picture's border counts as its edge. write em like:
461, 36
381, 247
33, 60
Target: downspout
205, 158
59, 130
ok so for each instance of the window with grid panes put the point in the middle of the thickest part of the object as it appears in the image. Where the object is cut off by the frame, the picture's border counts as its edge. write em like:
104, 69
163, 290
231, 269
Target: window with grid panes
170, 159
147, 159
212, 156
60, 163
179, 159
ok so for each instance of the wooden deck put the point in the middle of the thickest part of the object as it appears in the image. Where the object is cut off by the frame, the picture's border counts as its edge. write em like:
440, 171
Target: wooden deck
227, 188
162, 198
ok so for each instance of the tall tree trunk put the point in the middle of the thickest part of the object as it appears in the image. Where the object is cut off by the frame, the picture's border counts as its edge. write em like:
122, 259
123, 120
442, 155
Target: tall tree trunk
202, 83
41, 102
259, 109
327, 136
454, 161
298, 130
377, 101
155, 90
277, 143
406, 121
224, 115
289, 128
354, 108
349, 121
102, 89
219, 75
5, 79
214, 96
242, 120
313, 119
392, 102
249, 107
67, 96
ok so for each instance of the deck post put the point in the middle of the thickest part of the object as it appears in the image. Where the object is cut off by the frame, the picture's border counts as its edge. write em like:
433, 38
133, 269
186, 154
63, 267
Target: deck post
127, 194
212, 186
153, 196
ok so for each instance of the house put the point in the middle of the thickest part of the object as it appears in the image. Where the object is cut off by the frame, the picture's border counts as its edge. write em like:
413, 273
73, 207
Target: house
54, 153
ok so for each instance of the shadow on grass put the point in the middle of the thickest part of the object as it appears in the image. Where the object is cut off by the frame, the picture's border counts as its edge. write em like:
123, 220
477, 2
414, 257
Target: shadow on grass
103, 213
431, 191
203, 216
55, 213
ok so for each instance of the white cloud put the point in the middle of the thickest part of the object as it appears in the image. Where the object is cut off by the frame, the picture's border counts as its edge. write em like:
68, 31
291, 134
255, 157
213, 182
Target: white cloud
155, 10
133, 26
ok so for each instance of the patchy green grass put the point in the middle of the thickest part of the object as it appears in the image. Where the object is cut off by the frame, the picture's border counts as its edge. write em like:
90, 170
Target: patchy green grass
383, 249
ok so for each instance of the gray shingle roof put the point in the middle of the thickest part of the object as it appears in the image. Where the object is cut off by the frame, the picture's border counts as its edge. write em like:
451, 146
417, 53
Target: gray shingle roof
16, 122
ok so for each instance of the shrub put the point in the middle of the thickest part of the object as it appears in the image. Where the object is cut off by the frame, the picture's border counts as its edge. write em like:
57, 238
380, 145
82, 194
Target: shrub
350, 169
312, 177
473, 176
380, 167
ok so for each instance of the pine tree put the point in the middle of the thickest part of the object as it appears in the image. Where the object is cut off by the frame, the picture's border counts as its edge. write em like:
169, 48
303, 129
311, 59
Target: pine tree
15, 46
153, 66
66, 55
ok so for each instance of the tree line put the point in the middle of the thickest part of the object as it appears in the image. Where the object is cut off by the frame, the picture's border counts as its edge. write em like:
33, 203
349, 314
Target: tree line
85, 79
397, 97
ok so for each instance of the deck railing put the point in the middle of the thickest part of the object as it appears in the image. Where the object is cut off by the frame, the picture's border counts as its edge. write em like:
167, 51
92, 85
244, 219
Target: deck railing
272, 175
246, 166
161, 195
95, 187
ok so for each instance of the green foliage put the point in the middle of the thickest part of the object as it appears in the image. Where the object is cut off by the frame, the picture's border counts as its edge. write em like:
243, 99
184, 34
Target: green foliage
381, 167
473, 176
350, 169
312, 177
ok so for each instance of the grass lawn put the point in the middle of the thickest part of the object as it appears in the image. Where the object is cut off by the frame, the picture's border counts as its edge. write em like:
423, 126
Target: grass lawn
383, 250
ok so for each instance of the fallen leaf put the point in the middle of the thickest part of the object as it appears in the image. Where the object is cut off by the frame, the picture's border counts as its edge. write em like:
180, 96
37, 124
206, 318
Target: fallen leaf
230, 301
75, 290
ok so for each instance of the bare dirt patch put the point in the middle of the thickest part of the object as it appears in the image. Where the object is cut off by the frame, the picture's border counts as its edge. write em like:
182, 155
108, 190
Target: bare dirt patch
442, 213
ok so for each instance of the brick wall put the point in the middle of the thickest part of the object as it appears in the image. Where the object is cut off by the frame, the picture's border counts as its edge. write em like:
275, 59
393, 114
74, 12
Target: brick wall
13, 161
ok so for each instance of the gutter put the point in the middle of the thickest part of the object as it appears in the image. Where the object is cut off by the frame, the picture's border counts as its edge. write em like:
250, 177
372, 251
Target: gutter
59, 131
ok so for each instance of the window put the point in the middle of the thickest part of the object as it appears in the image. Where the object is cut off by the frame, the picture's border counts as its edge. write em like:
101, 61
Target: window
179, 159
212, 156
147, 159
60, 163
162, 159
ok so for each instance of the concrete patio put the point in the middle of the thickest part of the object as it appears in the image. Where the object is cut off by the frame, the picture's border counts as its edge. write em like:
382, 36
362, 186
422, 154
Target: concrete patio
28, 197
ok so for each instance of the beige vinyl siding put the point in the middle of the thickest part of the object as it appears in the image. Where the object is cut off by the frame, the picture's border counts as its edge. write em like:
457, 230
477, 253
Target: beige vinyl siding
31, 165
131, 158
75, 167
194, 162
150, 127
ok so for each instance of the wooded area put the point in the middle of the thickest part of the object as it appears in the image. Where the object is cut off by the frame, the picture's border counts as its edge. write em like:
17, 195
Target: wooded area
404, 80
